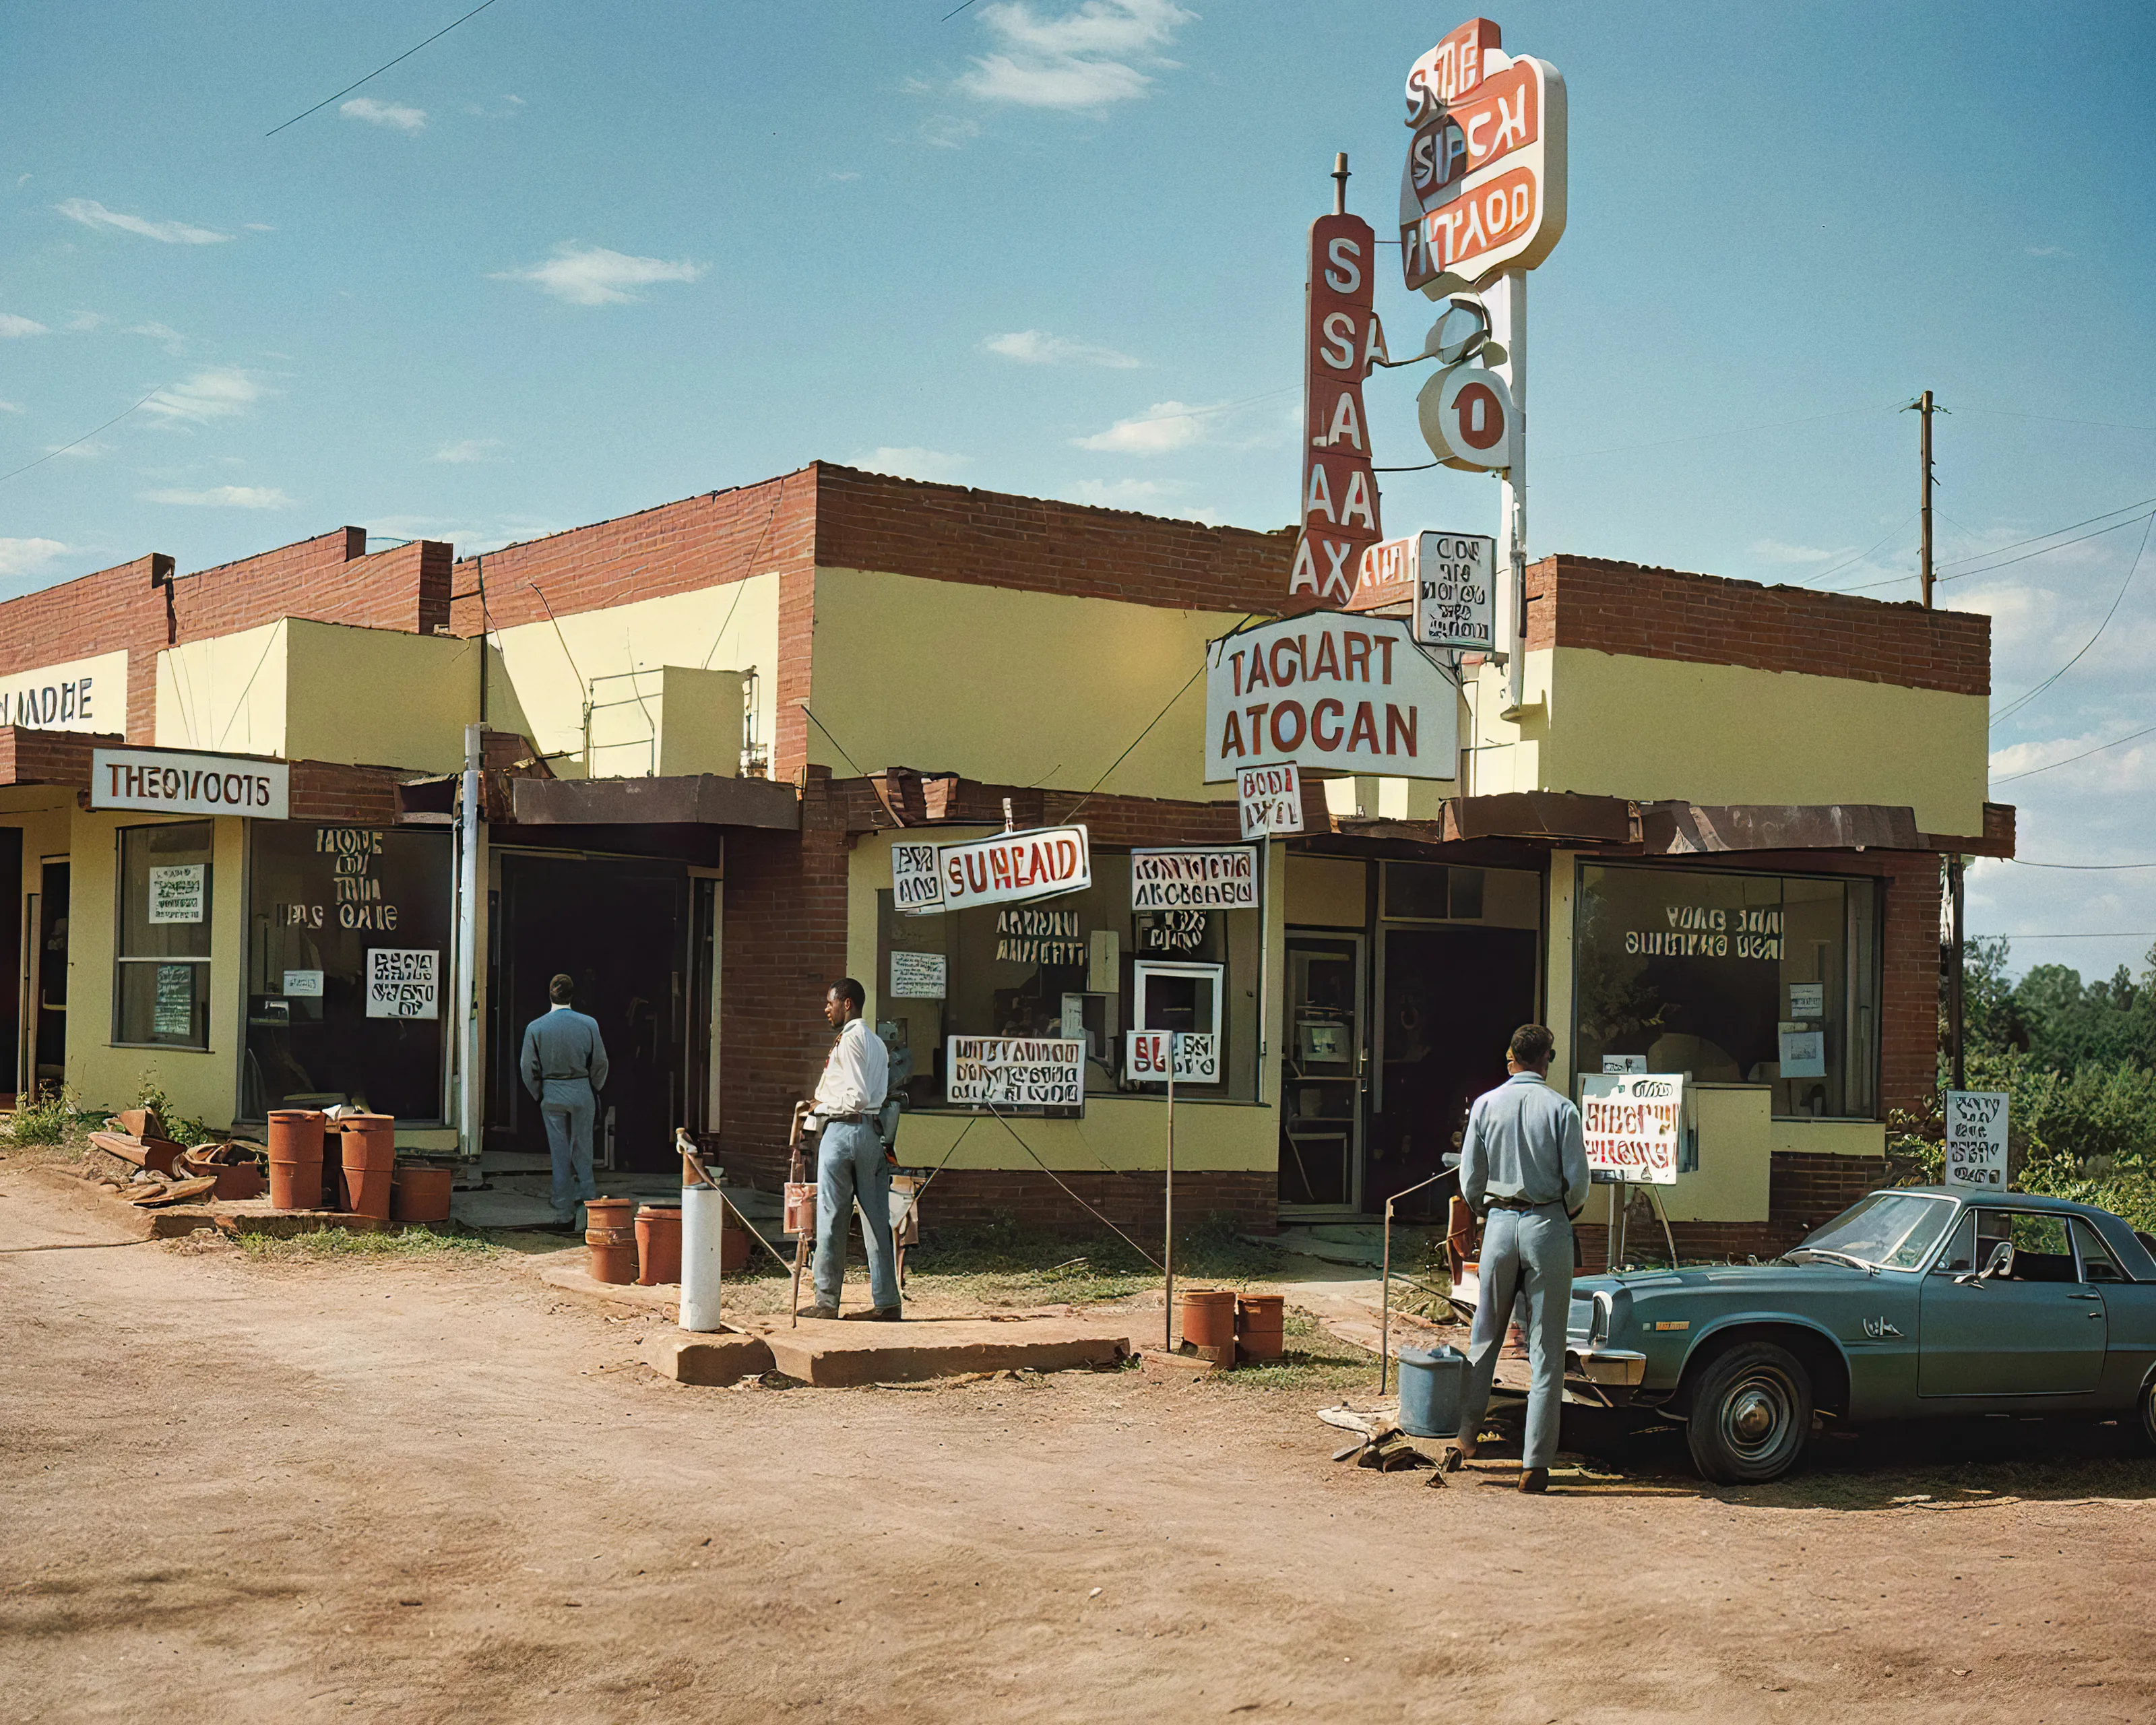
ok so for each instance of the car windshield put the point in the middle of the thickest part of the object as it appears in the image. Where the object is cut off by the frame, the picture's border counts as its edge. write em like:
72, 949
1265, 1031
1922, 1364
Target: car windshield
1895, 1230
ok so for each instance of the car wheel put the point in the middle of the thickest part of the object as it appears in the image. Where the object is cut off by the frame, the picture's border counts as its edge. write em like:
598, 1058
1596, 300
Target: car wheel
1751, 1414
2147, 1422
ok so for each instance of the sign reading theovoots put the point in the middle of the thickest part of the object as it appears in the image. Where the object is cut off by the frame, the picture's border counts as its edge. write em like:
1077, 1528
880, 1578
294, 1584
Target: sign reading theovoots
1326, 689
172, 781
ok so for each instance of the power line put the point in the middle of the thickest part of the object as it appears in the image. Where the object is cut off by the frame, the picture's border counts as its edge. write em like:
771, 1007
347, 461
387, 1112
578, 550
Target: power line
2054, 419
379, 70
1893, 533
2052, 533
835, 743
2046, 550
85, 437
2022, 702
2013, 545
2031, 772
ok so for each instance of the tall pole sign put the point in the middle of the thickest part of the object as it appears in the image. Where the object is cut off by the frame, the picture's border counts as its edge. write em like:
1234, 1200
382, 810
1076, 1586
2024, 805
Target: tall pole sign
1482, 202
1342, 339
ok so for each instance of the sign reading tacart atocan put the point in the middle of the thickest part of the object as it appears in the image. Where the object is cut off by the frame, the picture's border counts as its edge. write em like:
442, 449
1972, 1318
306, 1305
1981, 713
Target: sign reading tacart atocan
169, 782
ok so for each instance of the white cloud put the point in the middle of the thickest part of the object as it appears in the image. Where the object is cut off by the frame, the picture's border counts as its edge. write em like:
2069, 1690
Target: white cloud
224, 497
471, 448
404, 120
1037, 348
91, 213
843, 174
11, 406
1082, 59
11, 326
1145, 497
26, 556
592, 275
949, 131
221, 393
86, 320
915, 463
172, 339
1164, 426
1773, 550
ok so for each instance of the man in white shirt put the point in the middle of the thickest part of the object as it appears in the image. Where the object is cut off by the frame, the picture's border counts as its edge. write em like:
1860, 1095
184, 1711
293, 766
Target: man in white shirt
850, 1159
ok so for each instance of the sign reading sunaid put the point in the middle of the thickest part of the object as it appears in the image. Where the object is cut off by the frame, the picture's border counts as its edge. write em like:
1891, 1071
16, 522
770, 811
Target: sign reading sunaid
1015, 1072
1013, 867
1633, 1121
1329, 690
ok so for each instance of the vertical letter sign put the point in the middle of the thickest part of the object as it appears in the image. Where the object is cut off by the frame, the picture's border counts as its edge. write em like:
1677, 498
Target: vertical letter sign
1976, 1139
1342, 337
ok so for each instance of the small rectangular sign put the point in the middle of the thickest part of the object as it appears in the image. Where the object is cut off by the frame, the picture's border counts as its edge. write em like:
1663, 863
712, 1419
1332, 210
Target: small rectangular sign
1147, 1054
1803, 1051
401, 983
1195, 879
1624, 1063
168, 781
177, 892
1014, 867
1270, 800
304, 984
1634, 1120
1015, 1072
173, 1013
917, 975
1807, 1000
914, 883
1976, 1139
1456, 583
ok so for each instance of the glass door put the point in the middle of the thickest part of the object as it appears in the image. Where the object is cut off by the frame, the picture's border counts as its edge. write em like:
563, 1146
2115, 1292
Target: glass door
1323, 1072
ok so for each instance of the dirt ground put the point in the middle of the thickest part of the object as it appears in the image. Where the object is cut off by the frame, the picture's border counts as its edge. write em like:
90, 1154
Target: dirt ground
413, 1490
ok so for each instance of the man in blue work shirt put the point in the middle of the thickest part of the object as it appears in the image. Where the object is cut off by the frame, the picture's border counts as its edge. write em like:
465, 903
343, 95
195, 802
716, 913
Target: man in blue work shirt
564, 1066
1523, 1168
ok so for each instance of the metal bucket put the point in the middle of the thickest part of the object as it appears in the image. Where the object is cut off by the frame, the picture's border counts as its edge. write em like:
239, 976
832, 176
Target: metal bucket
1431, 1383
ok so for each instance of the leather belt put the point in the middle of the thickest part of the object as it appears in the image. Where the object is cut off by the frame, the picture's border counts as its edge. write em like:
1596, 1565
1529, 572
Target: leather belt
1520, 1204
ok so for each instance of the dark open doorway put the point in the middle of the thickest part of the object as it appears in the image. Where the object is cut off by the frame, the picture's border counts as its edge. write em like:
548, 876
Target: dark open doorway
48, 1051
620, 928
1451, 997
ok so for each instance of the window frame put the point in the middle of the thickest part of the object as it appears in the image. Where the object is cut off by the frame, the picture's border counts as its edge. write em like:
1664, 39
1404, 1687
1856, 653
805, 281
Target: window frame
202, 962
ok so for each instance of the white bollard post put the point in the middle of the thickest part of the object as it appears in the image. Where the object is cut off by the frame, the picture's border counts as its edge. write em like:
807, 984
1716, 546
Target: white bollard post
703, 1221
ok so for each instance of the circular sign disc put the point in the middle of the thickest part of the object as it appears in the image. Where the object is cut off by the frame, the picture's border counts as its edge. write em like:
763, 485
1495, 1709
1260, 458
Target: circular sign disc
1468, 419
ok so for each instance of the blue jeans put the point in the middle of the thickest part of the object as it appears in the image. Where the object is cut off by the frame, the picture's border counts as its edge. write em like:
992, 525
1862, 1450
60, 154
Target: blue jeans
1526, 1251
849, 1164
566, 1105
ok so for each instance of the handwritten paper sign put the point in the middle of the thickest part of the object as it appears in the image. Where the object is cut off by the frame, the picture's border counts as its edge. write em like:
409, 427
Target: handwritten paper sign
917, 975
401, 983
1147, 1054
1015, 1072
173, 1013
304, 985
1270, 800
1976, 1139
177, 892
914, 883
1632, 1120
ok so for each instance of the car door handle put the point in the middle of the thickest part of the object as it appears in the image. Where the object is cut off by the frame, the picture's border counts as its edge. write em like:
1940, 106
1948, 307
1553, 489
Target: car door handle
2084, 1296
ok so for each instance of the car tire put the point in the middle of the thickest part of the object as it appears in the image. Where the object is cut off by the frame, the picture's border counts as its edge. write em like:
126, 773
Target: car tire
1751, 1414
2144, 1421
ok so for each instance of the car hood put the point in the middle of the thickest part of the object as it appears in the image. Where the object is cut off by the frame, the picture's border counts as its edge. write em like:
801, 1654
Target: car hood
1742, 1282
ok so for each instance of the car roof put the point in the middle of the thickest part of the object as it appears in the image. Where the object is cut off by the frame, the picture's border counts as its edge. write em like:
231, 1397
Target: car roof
2014, 1200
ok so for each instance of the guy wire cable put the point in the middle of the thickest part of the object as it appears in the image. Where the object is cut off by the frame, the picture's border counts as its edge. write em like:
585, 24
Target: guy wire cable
1073, 1196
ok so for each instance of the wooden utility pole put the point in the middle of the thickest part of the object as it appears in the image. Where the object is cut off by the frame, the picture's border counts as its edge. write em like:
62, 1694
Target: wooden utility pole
1923, 406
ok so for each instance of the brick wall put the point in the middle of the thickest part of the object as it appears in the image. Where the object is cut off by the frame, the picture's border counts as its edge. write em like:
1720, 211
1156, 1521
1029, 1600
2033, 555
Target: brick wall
355, 796
1666, 614
57, 757
1807, 1190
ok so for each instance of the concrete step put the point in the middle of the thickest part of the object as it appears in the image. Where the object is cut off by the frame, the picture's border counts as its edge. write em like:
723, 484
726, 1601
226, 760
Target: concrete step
830, 1352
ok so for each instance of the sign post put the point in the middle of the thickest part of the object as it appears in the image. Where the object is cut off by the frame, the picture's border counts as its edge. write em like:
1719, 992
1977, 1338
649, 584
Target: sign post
1976, 1139
1150, 1055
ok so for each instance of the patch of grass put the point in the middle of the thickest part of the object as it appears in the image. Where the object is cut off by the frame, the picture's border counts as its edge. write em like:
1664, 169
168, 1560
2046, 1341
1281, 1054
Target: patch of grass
456, 1245
1007, 1264
56, 1120
1316, 1363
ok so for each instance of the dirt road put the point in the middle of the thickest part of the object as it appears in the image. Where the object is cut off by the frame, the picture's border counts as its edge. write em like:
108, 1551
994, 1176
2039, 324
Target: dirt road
237, 1491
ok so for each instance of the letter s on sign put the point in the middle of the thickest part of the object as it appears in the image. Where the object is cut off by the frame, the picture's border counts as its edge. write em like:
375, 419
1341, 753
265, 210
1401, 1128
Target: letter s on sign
1337, 349
1345, 256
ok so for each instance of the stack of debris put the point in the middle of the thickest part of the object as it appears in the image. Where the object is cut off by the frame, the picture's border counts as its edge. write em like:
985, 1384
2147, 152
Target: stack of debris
167, 1172
1380, 1444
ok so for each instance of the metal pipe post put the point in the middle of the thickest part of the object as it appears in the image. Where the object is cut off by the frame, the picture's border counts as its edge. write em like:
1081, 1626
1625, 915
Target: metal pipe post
469, 835
1954, 1003
1507, 302
1167, 1221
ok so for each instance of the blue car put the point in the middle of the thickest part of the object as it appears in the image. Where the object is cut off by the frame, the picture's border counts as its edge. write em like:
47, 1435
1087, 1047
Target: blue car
1917, 1302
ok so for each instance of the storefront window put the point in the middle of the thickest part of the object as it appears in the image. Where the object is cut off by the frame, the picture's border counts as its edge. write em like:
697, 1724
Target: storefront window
1734, 979
1084, 965
161, 990
348, 950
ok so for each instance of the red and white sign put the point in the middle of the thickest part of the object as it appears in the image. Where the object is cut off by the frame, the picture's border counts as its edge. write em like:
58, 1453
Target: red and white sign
1147, 1055
1342, 337
1483, 189
1270, 798
1633, 1121
1328, 689
1013, 867
1468, 419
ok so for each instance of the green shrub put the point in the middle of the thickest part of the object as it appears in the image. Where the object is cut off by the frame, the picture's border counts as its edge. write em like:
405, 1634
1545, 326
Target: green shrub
49, 1120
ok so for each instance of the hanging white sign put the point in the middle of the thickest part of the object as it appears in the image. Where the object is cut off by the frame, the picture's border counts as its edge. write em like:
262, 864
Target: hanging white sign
1147, 1055
1326, 689
401, 983
1015, 1072
1270, 800
914, 883
171, 782
1195, 879
1633, 1121
917, 975
177, 892
1976, 1139
1013, 867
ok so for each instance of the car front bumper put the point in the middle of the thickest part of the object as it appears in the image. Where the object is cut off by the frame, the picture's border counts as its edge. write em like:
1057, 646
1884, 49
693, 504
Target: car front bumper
1609, 1375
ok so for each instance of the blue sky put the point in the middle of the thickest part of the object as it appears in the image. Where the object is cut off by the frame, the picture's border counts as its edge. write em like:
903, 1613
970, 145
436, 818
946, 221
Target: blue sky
569, 261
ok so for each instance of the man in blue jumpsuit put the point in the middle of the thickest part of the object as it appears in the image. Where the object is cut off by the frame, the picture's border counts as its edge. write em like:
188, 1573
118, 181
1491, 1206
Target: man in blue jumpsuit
849, 1158
1523, 1167
564, 1066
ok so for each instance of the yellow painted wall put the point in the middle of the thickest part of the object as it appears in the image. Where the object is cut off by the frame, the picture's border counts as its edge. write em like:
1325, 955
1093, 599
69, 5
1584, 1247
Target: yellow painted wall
1735, 1136
1010, 687
1831, 1138
733, 627
1119, 1131
227, 693
378, 697
1650, 729
202, 1083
